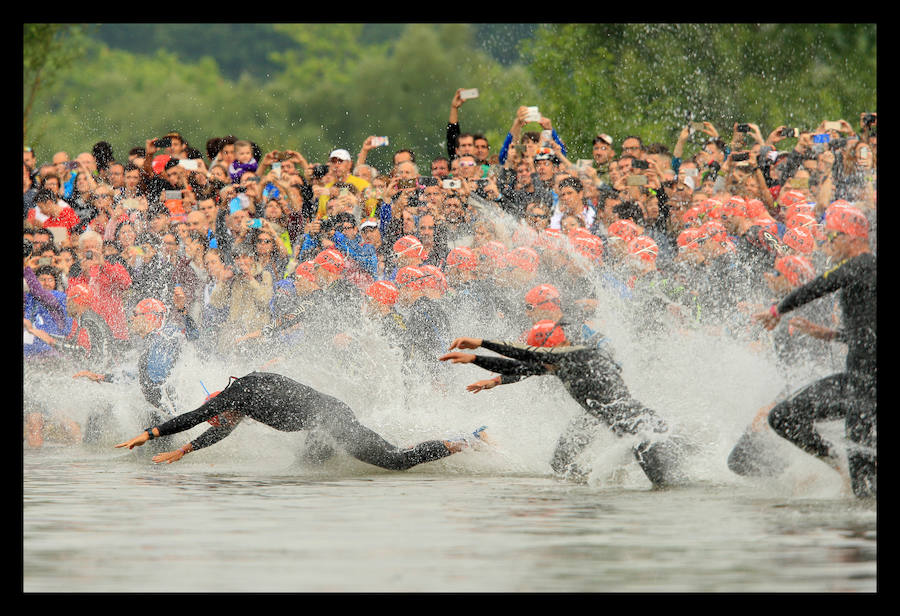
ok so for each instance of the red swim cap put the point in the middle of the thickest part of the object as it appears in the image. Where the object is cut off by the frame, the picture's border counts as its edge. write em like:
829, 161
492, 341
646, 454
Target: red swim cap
546, 334
625, 228
384, 292
154, 308
799, 239
798, 270
690, 239
847, 219
644, 248
306, 270
542, 294
409, 244
463, 258
410, 277
524, 258
330, 260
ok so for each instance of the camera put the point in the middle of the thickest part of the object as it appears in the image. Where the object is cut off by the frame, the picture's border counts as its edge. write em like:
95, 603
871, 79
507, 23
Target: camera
639, 164
740, 156
451, 184
165, 142
790, 132
869, 118
743, 128
407, 183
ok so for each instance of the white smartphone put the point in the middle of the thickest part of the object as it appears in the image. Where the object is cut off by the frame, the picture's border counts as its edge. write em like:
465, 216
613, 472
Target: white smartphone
378, 142
533, 115
469, 93
189, 163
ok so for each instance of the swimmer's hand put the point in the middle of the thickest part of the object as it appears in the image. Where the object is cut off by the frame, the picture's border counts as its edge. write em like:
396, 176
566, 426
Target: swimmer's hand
458, 358
137, 441
483, 384
465, 343
169, 456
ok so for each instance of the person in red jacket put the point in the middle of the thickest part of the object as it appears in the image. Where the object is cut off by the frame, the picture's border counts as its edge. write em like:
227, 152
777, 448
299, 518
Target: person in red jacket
49, 212
107, 282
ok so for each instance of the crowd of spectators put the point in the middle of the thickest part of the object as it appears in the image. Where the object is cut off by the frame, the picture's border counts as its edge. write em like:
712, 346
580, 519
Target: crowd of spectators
266, 250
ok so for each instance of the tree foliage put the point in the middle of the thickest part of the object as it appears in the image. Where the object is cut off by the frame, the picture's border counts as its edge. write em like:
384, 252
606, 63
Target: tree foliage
314, 87
643, 79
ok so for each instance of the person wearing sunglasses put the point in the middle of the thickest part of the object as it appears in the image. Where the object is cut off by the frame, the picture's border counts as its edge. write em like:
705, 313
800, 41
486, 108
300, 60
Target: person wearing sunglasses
853, 276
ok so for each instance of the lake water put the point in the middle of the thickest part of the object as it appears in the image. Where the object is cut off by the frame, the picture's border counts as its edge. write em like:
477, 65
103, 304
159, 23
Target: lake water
245, 516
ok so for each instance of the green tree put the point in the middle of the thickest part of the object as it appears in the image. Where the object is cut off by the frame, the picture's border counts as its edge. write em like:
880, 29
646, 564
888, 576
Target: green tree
48, 50
644, 78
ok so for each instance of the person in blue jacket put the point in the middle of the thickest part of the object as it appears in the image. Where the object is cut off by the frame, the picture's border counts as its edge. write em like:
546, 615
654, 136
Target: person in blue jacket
163, 340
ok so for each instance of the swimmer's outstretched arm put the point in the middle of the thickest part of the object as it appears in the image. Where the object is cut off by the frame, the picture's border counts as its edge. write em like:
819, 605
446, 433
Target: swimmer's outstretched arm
228, 420
510, 370
521, 352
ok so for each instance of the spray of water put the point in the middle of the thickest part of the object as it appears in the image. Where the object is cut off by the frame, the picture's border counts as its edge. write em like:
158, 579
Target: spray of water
707, 386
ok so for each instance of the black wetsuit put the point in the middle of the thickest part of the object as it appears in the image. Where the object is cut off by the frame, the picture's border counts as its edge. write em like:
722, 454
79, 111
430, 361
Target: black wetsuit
289, 406
851, 394
593, 379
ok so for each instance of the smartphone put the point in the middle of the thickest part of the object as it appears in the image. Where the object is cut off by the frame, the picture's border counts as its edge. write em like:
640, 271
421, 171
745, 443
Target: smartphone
406, 184
833, 126
798, 182
255, 223
739, 156
172, 194
743, 128
639, 164
451, 184
636, 180
130, 204
584, 163
695, 126
165, 142
821, 138
790, 132
45, 261
546, 137
520, 148
276, 167
691, 172
189, 163
468, 93
533, 115
378, 142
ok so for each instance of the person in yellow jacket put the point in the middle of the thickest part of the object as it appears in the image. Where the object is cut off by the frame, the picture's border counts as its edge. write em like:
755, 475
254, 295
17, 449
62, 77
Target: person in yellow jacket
339, 165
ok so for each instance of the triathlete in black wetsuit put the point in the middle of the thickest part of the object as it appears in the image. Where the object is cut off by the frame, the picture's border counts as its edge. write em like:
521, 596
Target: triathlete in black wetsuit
853, 393
289, 406
593, 379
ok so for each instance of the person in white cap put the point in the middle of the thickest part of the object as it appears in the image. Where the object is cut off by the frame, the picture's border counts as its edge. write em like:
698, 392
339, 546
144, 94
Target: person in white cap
340, 163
